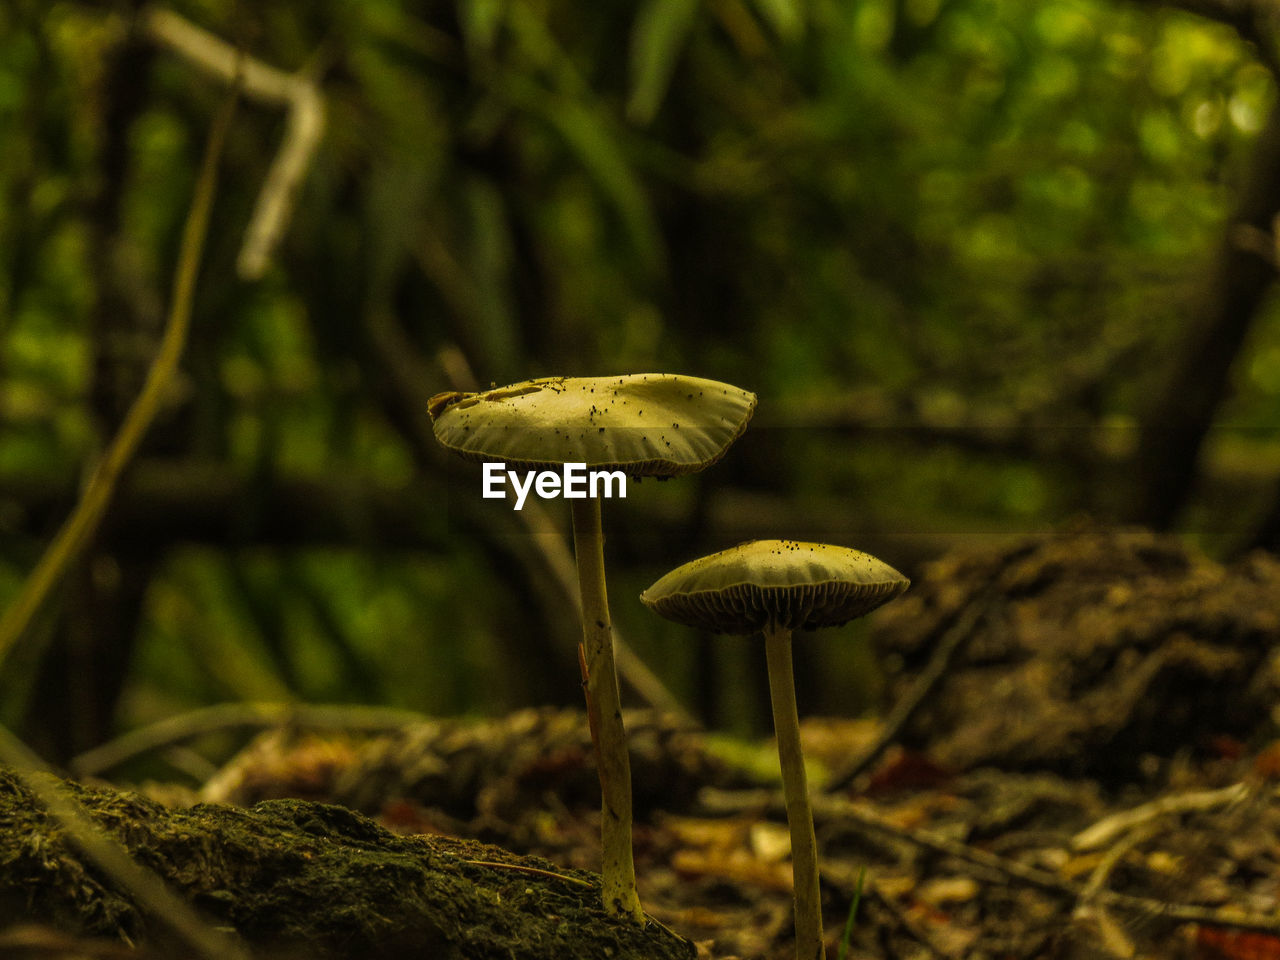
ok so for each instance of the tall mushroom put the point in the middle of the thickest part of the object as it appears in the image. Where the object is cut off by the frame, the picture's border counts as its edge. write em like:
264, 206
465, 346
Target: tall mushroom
645, 425
775, 587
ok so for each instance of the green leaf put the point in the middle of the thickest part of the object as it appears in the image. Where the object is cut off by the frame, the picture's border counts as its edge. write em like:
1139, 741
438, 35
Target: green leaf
480, 21
602, 157
786, 17
657, 41
853, 912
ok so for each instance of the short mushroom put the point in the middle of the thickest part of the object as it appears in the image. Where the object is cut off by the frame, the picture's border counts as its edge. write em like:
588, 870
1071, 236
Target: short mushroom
775, 587
645, 425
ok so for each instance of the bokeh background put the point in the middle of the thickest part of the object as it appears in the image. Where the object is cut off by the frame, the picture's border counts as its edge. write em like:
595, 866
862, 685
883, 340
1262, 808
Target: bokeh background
990, 266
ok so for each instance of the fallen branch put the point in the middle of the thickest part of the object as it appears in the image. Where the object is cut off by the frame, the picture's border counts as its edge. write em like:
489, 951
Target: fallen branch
917, 931
961, 629
962, 624
1089, 914
239, 716
532, 871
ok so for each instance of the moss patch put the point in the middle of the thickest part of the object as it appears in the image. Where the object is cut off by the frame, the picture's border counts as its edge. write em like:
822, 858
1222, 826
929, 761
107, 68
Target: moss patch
297, 877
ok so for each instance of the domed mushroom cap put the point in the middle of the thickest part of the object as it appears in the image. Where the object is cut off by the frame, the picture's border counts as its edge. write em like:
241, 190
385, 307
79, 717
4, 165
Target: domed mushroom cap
793, 584
647, 425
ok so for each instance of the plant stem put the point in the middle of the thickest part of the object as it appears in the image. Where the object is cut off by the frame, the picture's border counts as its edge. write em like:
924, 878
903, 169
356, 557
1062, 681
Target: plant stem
82, 525
853, 913
804, 845
604, 701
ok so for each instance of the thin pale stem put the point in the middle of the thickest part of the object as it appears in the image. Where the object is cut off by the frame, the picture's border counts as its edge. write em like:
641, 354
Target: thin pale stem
804, 845
604, 701
82, 525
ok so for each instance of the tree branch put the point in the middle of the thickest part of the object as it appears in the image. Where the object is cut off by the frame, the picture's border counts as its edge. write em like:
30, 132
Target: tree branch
223, 717
297, 92
80, 527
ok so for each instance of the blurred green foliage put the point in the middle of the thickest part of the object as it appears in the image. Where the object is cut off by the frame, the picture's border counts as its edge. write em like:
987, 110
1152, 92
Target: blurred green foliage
876, 214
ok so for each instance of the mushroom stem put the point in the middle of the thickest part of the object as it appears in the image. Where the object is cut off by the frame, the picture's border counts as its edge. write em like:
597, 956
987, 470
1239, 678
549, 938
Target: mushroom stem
604, 701
804, 845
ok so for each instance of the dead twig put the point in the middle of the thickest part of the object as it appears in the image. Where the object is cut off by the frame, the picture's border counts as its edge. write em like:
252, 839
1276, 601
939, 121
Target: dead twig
1091, 914
1098, 878
81, 526
520, 868
835, 809
304, 128
902, 917
964, 623
940, 660
1108, 828
239, 716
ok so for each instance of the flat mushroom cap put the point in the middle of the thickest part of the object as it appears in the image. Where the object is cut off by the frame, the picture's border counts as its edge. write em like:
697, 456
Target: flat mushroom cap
795, 585
646, 425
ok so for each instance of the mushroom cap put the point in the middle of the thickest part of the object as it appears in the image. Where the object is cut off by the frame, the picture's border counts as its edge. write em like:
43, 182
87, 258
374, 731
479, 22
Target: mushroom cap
743, 589
645, 424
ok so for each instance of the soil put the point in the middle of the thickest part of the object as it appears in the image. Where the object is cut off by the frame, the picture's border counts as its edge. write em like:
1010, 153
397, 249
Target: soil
1094, 649
1096, 774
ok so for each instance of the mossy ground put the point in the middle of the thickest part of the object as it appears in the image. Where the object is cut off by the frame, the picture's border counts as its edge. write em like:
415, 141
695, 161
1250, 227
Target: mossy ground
297, 878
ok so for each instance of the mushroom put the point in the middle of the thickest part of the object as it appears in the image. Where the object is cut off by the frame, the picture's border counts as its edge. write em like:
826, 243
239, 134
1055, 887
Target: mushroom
775, 587
645, 425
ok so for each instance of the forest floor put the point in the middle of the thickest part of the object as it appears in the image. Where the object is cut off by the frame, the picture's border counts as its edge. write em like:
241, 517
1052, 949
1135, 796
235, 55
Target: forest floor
1091, 769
